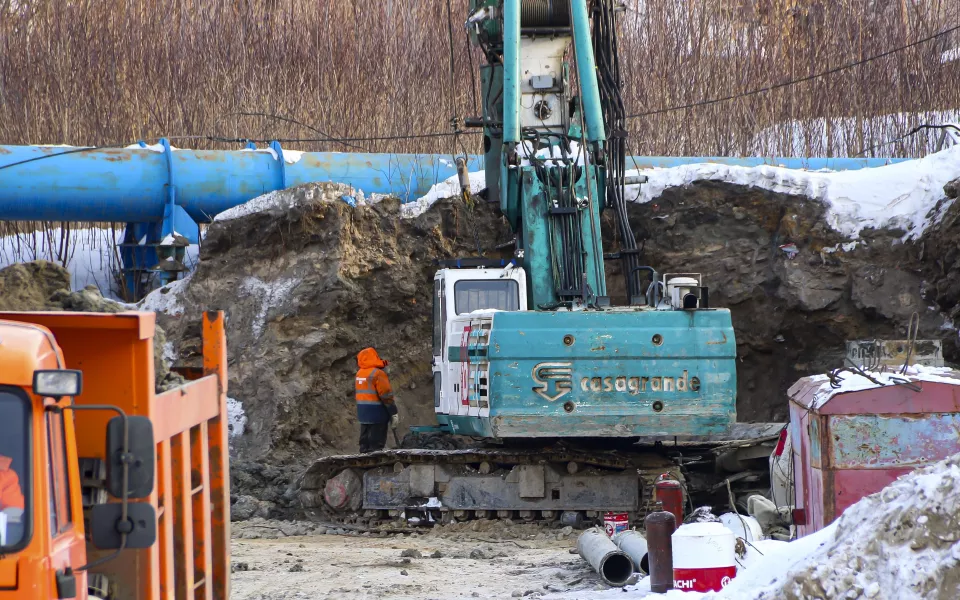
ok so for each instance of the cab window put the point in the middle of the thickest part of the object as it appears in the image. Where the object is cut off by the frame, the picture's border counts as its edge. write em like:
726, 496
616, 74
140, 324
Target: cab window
60, 517
15, 416
499, 294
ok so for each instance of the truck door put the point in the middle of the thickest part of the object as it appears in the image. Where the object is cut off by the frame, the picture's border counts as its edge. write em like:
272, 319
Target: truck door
67, 548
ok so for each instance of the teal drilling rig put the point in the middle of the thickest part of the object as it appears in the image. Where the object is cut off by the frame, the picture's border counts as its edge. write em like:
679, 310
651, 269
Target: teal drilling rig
581, 403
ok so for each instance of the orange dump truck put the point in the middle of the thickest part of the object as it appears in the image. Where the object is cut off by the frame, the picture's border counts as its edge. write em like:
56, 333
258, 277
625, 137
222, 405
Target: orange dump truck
107, 488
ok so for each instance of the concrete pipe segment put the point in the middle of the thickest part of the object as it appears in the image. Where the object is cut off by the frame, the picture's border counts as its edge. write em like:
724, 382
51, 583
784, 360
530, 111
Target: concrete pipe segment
612, 564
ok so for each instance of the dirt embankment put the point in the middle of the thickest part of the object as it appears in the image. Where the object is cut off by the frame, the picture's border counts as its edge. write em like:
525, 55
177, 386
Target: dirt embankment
310, 282
793, 314
45, 286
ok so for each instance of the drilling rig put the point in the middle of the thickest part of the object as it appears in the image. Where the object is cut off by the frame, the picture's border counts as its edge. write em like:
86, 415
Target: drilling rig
580, 403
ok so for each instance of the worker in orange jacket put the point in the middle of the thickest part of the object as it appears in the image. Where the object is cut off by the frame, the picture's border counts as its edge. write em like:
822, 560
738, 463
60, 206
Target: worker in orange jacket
376, 407
11, 501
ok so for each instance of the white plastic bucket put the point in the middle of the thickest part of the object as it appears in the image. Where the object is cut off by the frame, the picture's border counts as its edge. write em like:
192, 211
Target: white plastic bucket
704, 557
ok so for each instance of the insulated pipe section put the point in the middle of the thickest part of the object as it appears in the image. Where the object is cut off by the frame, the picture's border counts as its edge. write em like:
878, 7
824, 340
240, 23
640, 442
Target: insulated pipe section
587, 69
511, 71
131, 185
613, 565
635, 546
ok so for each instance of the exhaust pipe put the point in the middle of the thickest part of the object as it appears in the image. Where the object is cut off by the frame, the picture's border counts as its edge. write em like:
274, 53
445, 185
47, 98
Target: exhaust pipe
613, 565
635, 546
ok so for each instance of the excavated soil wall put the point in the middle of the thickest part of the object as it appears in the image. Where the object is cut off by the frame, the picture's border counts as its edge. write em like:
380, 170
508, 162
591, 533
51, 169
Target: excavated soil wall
310, 280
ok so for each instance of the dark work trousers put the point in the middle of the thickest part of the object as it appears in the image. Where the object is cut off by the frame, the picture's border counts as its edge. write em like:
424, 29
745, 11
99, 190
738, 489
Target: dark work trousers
373, 437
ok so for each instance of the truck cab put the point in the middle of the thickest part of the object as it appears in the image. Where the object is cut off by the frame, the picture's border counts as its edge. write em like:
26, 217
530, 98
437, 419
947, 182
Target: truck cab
110, 489
464, 292
41, 515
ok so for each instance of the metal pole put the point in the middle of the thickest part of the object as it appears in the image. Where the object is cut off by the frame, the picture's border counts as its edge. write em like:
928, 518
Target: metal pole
587, 70
511, 71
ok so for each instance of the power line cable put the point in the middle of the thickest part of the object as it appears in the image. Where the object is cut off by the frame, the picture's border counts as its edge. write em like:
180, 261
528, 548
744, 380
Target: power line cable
792, 82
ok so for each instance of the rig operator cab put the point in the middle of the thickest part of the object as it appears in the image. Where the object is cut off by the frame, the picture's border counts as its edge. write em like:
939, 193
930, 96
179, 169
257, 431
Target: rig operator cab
108, 489
465, 292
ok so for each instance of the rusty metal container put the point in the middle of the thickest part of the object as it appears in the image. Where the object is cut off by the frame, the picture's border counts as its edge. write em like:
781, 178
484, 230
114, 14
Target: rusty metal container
669, 492
660, 526
850, 444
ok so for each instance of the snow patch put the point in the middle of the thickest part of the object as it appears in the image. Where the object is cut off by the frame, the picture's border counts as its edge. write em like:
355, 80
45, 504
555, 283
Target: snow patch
899, 195
448, 188
90, 255
151, 147
292, 157
166, 299
853, 382
170, 353
845, 136
236, 418
271, 296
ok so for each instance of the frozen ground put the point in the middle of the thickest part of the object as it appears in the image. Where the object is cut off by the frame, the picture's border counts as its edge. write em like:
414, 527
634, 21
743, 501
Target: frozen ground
902, 543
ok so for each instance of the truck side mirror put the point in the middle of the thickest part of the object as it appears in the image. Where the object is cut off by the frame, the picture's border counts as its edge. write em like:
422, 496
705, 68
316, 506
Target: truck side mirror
107, 526
139, 455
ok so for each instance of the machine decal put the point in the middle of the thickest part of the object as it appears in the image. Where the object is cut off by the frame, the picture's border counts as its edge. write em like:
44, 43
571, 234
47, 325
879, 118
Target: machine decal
561, 373
640, 385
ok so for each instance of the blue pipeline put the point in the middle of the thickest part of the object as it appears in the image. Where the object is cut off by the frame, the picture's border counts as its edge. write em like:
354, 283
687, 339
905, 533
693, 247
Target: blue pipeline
158, 190
134, 185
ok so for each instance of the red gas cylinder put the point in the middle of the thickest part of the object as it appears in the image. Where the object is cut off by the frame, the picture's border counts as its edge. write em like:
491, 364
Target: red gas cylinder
670, 493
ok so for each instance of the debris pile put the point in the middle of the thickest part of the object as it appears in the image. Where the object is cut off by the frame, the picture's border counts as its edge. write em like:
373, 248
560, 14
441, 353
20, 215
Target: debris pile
45, 286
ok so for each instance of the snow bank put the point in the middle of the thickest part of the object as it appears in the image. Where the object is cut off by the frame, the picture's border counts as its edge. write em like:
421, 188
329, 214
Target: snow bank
293, 197
902, 543
899, 195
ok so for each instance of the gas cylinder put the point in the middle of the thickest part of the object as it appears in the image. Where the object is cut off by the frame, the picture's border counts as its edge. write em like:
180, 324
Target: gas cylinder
669, 491
660, 526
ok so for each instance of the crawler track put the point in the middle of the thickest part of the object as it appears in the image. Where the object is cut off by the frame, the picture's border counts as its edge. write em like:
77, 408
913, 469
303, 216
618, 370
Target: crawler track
469, 464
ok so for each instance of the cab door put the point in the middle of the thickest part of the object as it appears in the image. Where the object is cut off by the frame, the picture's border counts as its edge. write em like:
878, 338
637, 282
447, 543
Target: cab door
439, 342
67, 545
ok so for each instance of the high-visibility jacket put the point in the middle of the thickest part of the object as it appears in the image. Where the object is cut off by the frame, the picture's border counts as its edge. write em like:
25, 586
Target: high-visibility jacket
375, 402
10, 494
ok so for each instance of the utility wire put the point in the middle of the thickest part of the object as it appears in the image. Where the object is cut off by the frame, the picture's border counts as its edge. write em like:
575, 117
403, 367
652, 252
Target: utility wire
285, 120
797, 81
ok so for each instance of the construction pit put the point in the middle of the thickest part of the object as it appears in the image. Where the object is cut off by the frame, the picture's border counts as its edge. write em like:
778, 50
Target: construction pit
307, 279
